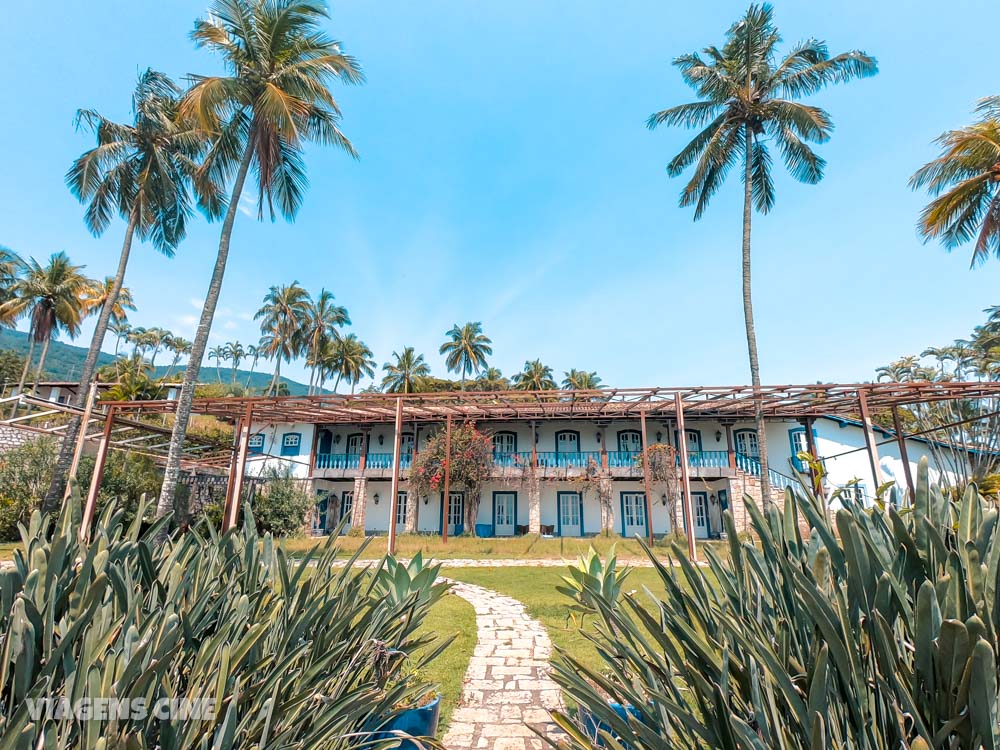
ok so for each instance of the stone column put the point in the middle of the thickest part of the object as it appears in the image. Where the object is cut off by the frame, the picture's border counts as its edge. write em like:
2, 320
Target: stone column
360, 503
412, 509
607, 503
534, 505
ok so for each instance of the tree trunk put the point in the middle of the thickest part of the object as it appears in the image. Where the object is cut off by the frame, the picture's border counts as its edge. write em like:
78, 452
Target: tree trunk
182, 413
273, 388
336, 383
24, 372
765, 484
58, 484
41, 359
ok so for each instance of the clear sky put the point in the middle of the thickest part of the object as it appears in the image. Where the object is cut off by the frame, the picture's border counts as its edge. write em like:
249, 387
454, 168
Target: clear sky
506, 176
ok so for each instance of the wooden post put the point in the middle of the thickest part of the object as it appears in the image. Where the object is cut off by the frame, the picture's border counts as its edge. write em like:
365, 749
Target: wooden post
534, 445
236, 486
870, 439
413, 462
394, 497
446, 502
903, 455
645, 478
80, 440
363, 458
815, 476
686, 506
604, 449
90, 504
730, 449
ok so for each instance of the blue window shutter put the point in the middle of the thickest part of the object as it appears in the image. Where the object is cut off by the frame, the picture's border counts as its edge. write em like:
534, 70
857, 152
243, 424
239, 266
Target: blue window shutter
291, 443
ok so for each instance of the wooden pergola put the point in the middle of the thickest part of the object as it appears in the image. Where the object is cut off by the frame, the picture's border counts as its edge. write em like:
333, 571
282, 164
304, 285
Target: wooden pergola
129, 425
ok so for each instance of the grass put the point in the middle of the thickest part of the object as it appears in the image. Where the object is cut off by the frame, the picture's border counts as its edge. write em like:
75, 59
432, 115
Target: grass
528, 547
536, 588
450, 616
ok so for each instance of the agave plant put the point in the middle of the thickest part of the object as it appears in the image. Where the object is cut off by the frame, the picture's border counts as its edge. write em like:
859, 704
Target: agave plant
874, 629
293, 654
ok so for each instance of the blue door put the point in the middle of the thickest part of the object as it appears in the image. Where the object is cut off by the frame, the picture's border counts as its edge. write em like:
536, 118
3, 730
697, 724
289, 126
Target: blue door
634, 514
570, 514
456, 513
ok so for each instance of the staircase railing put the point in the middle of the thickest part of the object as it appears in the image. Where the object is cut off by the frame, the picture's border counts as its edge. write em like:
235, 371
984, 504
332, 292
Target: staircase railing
751, 465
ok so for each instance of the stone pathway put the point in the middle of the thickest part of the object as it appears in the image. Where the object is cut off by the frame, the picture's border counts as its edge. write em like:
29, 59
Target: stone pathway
507, 689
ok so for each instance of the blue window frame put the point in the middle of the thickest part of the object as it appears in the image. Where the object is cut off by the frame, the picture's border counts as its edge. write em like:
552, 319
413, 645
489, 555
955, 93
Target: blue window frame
629, 441
799, 444
256, 443
568, 441
291, 443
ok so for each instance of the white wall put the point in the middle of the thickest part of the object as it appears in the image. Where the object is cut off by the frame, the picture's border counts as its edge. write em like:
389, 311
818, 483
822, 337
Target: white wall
270, 455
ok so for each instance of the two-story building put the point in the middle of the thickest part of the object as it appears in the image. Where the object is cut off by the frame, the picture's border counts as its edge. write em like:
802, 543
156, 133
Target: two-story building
569, 463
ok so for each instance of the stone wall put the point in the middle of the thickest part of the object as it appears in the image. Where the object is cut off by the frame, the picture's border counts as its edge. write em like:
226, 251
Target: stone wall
14, 437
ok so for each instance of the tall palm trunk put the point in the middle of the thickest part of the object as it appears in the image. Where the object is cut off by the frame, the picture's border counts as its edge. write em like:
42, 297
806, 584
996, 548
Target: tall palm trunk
275, 378
41, 358
765, 484
182, 414
336, 383
253, 366
68, 445
24, 372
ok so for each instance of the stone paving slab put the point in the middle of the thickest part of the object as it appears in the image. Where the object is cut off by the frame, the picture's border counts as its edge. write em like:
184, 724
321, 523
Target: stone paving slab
507, 692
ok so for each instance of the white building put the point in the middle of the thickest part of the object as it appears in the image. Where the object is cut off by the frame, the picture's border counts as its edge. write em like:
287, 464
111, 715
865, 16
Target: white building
545, 443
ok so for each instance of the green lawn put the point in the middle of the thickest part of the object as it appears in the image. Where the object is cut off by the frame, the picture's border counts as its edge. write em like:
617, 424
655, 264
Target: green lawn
536, 588
451, 616
528, 547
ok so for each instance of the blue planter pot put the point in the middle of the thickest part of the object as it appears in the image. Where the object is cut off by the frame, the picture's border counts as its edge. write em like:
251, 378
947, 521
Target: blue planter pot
593, 726
418, 722
484, 530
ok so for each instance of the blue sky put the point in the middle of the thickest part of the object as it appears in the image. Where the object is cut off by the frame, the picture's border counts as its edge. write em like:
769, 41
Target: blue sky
506, 176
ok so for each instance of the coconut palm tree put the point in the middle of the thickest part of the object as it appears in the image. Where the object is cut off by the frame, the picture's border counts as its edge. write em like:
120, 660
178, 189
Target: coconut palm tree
11, 266
349, 359
253, 354
492, 379
179, 347
141, 172
155, 338
323, 318
100, 295
965, 183
235, 353
219, 354
581, 380
534, 377
121, 330
467, 349
52, 298
406, 373
275, 98
282, 318
748, 103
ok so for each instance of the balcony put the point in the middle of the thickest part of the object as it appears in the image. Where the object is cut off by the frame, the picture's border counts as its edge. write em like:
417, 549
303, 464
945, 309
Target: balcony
349, 464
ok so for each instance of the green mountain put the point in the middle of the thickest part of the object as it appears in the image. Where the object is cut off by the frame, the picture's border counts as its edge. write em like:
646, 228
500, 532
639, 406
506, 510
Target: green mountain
64, 362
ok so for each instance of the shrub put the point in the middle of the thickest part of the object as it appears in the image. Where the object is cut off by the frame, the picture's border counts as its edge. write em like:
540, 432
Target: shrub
876, 630
25, 472
280, 505
297, 655
127, 477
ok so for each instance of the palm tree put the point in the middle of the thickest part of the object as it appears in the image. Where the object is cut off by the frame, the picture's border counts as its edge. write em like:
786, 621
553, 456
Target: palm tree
968, 174
492, 379
179, 346
220, 355
349, 359
11, 266
467, 349
253, 354
52, 297
747, 101
100, 294
282, 318
581, 380
142, 172
534, 377
235, 353
406, 373
121, 330
275, 98
156, 338
323, 318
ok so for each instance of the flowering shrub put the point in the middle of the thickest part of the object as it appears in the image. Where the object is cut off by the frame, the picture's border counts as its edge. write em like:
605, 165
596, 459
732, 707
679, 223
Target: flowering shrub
471, 462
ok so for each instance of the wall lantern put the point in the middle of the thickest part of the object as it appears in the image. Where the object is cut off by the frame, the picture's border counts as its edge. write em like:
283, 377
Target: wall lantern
381, 439
659, 437
663, 499
425, 499
336, 439
376, 498
718, 436
597, 437
713, 499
